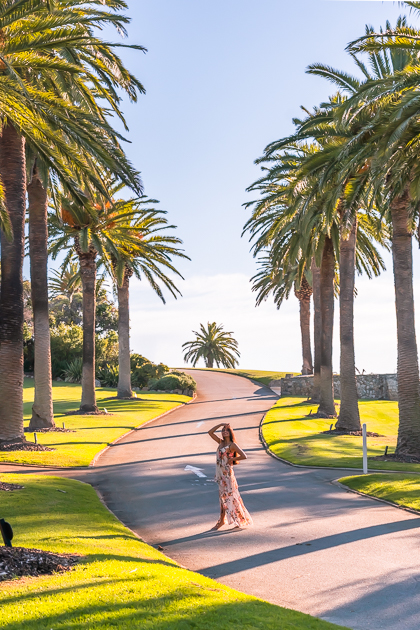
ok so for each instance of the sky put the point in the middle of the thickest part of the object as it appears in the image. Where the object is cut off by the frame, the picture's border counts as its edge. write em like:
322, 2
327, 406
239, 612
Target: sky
223, 79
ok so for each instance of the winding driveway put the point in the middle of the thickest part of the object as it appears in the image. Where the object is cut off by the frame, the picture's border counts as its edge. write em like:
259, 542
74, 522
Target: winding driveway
314, 547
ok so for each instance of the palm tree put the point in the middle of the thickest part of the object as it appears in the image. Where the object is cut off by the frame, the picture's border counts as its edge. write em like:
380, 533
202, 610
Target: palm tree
97, 229
304, 294
214, 345
38, 202
303, 200
391, 147
271, 279
66, 281
385, 149
50, 124
149, 255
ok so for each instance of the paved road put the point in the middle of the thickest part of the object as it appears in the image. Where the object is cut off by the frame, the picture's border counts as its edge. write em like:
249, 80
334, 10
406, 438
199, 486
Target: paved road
314, 547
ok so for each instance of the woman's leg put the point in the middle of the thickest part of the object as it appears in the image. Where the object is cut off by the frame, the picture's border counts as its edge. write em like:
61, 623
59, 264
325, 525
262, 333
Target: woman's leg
221, 520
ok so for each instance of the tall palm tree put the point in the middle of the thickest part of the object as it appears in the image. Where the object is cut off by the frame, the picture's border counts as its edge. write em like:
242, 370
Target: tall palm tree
77, 92
149, 255
66, 281
34, 113
214, 345
385, 149
97, 229
390, 146
304, 294
271, 279
299, 220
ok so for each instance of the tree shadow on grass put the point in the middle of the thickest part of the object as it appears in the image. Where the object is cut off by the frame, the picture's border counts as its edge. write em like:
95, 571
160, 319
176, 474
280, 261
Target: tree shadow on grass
184, 606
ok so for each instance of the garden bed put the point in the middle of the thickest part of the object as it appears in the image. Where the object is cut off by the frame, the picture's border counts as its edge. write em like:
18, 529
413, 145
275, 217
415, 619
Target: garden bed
19, 562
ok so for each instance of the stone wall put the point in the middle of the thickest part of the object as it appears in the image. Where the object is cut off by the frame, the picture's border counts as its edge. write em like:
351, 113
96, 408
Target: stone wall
369, 386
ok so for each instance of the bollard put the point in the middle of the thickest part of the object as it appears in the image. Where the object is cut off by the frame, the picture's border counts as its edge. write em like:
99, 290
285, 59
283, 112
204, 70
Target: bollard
365, 460
63, 426
6, 532
36, 438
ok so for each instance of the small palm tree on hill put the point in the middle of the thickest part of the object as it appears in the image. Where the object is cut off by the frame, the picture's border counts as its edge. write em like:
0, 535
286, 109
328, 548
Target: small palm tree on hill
214, 346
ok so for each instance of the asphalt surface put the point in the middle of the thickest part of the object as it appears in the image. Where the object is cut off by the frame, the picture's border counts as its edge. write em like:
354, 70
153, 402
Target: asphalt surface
313, 547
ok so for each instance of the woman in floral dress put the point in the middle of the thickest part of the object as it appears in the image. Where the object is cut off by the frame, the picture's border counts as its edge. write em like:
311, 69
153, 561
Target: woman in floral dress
228, 453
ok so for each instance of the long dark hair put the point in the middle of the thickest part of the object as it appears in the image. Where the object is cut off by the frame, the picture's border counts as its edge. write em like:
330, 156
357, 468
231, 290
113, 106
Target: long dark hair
232, 439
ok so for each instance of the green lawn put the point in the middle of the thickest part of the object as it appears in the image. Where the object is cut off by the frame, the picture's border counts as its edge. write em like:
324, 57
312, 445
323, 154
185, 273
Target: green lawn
400, 489
92, 433
262, 376
120, 583
299, 439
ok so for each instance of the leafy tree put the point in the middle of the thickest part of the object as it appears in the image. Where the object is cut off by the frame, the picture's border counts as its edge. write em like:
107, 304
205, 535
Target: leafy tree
214, 345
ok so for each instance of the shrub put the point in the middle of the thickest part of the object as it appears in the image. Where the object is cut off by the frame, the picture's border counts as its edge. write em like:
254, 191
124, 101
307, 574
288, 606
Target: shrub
66, 346
174, 380
108, 375
137, 360
141, 376
106, 348
73, 372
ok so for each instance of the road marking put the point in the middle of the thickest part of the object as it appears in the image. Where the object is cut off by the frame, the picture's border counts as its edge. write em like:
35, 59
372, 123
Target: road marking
200, 423
196, 471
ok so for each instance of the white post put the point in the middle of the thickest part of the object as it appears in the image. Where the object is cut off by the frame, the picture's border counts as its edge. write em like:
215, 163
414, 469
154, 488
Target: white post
365, 461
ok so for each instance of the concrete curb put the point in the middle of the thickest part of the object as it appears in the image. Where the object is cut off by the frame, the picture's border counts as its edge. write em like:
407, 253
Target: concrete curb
98, 455
355, 470
335, 482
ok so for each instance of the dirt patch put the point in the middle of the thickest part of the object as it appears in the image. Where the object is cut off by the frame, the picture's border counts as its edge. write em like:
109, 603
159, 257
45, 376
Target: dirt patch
351, 433
20, 562
9, 487
301, 449
23, 445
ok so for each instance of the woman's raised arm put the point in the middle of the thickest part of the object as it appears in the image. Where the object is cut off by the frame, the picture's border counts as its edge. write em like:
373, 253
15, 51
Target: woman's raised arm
213, 430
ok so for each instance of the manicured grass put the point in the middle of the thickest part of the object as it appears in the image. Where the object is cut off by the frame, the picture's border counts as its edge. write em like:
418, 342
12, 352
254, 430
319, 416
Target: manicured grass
120, 582
92, 433
299, 439
262, 376
400, 489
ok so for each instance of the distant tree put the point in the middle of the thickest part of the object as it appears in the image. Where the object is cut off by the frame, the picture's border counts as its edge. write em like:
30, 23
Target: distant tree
214, 346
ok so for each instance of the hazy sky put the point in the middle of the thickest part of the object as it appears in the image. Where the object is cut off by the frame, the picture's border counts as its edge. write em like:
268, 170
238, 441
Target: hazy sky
223, 79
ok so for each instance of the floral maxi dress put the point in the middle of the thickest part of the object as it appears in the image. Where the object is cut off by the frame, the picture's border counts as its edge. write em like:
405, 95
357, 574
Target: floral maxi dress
230, 499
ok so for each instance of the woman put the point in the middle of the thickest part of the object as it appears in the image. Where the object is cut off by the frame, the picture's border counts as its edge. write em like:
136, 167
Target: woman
228, 453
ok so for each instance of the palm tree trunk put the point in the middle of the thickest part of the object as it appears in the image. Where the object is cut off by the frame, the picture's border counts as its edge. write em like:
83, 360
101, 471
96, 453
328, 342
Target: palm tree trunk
348, 419
88, 275
124, 376
13, 174
326, 407
42, 410
408, 443
209, 362
316, 287
305, 330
